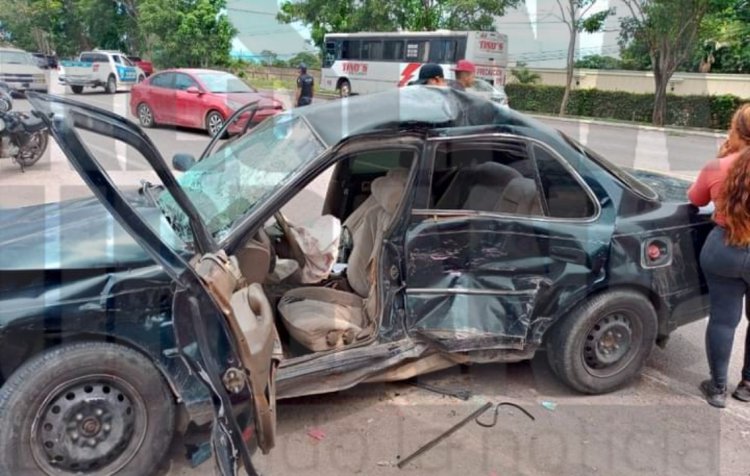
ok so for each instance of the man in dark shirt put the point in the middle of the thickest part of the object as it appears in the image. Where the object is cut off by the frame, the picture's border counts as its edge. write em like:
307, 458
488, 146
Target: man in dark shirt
305, 85
430, 74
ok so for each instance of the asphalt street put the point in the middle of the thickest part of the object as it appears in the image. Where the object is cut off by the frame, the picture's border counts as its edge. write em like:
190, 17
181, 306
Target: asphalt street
657, 425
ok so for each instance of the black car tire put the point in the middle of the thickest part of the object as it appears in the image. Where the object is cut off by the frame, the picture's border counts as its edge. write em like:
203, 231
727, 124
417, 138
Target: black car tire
76, 89
45, 413
141, 78
603, 343
111, 87
144, 113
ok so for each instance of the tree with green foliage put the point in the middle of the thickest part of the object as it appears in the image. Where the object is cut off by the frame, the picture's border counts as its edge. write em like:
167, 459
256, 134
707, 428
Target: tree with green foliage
724, 40
310, 59
598, 62
186, 33
346, 16
669, 29
523, 75
575, 15
69, 26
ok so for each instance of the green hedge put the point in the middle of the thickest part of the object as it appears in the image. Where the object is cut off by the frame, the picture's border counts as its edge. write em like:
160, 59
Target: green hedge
713, 112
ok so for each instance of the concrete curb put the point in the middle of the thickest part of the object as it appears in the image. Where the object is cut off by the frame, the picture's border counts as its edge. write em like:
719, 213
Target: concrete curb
628, 125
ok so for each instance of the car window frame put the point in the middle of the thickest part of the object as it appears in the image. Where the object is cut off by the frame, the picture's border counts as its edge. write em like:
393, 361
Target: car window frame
195, 83
168, 74
435, 142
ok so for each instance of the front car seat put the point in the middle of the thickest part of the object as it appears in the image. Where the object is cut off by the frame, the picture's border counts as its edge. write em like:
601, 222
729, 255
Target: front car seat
322, 318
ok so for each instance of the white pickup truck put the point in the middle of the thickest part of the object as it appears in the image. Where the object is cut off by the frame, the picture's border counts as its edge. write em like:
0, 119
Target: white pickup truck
95, 69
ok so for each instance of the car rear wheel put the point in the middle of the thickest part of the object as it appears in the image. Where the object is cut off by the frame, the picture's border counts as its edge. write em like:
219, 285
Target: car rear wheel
87, 408
76, 89
111, 87
141, 78
214, 123
146, 115
604, 343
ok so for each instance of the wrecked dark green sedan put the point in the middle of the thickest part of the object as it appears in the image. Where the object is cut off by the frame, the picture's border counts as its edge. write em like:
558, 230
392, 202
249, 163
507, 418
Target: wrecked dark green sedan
453, 231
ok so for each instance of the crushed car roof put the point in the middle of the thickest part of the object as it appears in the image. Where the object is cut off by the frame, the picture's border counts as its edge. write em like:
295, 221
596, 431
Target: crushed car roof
413, 106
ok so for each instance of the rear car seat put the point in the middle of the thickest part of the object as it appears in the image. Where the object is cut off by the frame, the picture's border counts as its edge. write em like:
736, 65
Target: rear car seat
492, 187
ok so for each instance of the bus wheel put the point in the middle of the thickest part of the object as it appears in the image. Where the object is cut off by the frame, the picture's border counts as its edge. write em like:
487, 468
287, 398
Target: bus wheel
345, 89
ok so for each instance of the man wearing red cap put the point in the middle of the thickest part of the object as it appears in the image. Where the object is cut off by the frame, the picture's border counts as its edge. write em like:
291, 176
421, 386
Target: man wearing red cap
465, 71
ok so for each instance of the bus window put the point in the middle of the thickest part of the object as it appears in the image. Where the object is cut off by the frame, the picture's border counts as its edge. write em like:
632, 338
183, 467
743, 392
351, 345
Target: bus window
372, 50
330, 56
393, 50
443, 50
416, 50
350, 50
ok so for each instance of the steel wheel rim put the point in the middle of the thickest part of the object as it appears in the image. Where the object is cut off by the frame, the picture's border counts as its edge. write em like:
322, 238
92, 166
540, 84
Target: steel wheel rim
74, 435
145, 115
612, 343
215, 123
345, 90
111, 85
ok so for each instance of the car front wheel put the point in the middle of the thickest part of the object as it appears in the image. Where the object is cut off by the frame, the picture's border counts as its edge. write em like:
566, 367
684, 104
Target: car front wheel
87, 408
604, 343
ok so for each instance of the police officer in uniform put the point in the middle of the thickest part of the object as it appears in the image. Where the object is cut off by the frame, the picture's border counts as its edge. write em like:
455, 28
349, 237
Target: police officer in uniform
305, 85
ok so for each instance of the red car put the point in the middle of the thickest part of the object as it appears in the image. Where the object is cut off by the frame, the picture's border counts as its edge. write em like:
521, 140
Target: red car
197, 98
146, 66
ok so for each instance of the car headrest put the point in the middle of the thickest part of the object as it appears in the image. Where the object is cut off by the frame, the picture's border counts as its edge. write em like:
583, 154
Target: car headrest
387, 192
399, 173
492, 173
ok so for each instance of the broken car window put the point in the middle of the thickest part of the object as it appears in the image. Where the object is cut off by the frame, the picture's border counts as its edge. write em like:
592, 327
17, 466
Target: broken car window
227, 185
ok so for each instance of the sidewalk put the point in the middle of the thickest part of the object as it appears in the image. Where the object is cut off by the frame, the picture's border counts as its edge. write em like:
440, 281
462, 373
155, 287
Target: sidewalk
671, 130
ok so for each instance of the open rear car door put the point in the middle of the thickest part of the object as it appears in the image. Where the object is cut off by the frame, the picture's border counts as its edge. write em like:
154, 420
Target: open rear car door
223, 327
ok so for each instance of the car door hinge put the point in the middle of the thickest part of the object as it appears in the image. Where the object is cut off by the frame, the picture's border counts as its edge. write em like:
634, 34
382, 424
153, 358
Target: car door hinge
234, 380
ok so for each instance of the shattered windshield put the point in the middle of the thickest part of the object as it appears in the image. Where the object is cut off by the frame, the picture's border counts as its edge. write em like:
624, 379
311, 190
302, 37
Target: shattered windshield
228, 184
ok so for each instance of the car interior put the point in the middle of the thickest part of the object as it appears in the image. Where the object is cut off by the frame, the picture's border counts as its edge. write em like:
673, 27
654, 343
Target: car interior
320, 276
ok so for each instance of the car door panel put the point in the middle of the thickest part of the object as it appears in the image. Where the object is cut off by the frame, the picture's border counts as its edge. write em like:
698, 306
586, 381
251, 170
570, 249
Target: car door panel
224, 328
188, 107
479, 280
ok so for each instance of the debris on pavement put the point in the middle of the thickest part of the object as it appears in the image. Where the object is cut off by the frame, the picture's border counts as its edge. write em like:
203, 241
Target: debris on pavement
551, 406
474, 416
317, 434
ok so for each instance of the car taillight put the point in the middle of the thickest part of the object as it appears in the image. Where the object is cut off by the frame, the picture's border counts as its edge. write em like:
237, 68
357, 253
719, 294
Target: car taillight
96, 67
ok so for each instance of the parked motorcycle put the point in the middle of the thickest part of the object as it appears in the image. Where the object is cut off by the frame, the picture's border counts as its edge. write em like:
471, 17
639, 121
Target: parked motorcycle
23, 136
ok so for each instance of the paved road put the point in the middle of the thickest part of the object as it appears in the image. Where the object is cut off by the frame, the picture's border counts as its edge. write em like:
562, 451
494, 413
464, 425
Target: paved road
658, 425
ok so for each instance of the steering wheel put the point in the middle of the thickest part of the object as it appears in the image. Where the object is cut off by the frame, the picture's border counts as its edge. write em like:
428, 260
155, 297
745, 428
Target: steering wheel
294, 246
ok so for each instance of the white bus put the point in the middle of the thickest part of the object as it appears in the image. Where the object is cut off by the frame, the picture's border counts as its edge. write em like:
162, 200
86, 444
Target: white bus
361, 63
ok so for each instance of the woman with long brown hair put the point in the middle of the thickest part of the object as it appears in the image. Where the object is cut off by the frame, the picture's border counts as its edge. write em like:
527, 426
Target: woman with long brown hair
725, 257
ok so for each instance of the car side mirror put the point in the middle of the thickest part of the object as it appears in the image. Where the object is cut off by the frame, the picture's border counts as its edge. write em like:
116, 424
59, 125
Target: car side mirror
183, 162
193, 90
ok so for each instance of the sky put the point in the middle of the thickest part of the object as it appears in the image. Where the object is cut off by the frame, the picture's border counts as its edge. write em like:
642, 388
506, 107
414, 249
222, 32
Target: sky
536, 34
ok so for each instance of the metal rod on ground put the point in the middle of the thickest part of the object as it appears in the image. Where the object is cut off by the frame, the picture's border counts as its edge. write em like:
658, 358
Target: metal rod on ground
443, 436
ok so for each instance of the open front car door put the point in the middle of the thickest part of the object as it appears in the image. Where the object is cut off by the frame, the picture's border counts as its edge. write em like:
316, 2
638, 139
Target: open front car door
223, 326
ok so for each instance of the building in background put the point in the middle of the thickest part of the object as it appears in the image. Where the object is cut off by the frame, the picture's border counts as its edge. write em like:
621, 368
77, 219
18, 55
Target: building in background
259, 31
538, 37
